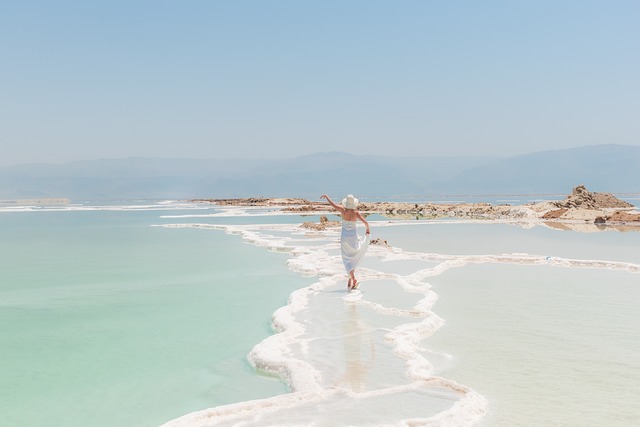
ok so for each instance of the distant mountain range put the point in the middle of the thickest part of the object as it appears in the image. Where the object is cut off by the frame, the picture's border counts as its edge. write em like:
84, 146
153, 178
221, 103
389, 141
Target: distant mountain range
605, 168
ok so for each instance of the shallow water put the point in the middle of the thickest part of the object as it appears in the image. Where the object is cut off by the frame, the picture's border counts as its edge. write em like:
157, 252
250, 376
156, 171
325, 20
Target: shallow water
136, 317
105, 320
540, 323
545, 345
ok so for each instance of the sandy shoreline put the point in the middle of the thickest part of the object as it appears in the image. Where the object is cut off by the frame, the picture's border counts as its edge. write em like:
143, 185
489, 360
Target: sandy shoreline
582, 210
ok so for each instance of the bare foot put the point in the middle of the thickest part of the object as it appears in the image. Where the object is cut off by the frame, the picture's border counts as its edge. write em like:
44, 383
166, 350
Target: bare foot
355, 284
350, 284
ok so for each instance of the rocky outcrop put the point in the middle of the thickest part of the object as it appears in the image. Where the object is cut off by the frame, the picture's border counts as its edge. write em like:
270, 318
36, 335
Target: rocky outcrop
580, 207
555, 214
584, 205
320, 226
437, 210
620, 216
581, 198
259, 201
379, 242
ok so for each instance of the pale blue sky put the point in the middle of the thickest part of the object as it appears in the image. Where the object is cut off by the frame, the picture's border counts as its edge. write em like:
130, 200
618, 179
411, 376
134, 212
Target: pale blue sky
268, 79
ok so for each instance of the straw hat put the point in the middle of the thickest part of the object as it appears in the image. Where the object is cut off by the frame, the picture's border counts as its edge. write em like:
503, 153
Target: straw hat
350, 202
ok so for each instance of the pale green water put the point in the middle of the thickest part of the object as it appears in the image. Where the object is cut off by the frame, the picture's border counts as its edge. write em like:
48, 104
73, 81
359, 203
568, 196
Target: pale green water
454, 238
546, 346
105, 320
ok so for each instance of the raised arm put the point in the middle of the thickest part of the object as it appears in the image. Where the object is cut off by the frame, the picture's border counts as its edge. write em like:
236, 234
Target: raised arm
331, 202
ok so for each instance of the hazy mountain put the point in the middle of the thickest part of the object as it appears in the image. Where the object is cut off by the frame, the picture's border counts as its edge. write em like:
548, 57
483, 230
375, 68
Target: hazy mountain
606, 168
610, 168
119, 178
335, 172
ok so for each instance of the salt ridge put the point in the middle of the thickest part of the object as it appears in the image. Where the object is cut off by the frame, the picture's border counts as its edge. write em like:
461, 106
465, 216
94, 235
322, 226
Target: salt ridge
274, 353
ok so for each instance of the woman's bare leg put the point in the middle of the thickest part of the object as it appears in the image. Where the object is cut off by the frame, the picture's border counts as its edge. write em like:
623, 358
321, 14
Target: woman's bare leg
354, 282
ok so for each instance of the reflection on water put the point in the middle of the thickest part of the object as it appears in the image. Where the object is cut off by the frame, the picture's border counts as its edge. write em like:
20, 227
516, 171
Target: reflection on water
359, 351
590, 227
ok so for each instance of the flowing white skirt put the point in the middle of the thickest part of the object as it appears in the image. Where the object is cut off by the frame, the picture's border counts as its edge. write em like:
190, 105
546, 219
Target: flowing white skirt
353, 248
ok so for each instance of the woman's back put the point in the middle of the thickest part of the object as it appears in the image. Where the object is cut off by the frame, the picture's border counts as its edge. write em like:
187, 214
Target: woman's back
349, 215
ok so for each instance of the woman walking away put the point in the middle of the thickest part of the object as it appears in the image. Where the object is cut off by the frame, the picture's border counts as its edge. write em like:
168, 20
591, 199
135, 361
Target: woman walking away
353, 248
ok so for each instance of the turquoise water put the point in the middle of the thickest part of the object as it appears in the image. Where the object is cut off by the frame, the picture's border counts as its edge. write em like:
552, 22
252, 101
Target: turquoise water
106, 320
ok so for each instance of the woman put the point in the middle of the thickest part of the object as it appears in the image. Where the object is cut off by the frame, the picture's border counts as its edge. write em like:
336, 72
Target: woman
352, 248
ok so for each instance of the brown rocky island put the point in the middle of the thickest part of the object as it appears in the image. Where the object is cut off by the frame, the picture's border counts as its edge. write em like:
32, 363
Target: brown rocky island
582, 210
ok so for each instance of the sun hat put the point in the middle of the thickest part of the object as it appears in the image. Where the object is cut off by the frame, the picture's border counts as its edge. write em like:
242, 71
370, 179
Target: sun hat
350, 202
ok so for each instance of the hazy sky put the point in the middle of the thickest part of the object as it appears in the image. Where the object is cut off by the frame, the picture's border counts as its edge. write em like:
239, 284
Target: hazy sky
220, 79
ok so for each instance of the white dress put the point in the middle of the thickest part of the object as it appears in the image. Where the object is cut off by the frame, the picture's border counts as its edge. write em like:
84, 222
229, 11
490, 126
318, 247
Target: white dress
353, 248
